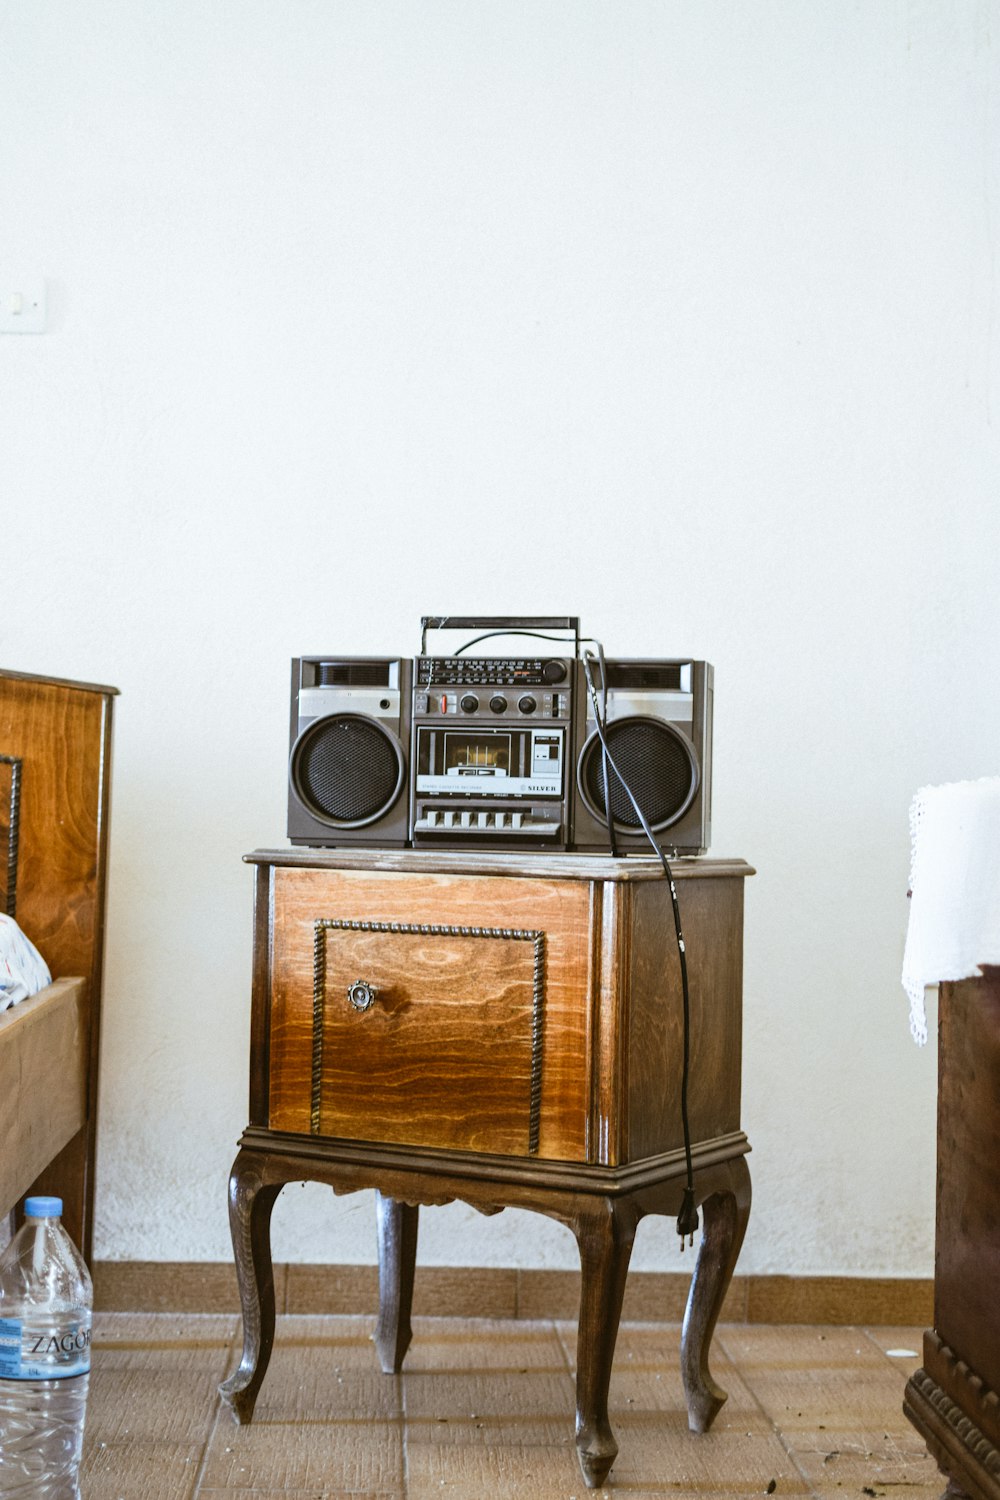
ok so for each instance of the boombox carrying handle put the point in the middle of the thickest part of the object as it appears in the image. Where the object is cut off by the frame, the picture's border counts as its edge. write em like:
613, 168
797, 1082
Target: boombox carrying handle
500, 622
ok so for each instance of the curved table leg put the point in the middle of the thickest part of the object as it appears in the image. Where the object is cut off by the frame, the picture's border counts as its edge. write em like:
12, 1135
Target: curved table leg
250, 1205
605, 1243
725, 1214
397, 1257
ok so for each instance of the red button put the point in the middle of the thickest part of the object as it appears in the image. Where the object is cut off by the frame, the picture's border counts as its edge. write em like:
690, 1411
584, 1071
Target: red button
444, 703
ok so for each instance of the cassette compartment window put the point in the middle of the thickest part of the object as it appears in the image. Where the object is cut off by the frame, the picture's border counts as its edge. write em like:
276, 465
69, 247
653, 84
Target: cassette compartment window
490, 762
477, 754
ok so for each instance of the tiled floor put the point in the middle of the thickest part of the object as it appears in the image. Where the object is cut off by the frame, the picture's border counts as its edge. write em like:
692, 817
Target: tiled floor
485, 1409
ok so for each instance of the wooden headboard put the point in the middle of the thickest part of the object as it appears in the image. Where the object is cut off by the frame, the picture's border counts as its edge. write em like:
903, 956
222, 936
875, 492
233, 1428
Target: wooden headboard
55, 737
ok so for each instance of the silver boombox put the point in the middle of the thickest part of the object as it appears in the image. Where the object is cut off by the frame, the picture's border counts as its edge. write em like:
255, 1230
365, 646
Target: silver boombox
502, 752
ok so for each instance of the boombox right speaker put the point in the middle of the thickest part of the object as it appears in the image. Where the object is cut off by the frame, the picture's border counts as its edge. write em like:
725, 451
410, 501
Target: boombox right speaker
659, 731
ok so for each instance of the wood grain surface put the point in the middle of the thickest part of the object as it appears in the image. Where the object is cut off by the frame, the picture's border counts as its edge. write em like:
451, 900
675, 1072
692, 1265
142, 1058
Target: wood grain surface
61, 731
443, 1057
954, 1400
43, 1098
712, 923
533, 865
966, 1308
430, 1064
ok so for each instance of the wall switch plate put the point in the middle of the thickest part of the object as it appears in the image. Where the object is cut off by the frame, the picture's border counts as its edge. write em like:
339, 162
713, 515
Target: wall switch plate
22, 305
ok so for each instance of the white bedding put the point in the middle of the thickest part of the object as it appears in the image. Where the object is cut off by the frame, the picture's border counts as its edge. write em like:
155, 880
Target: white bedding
23, 970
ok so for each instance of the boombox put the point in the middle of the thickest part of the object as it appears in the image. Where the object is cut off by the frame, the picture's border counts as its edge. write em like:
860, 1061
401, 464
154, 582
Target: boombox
463, 752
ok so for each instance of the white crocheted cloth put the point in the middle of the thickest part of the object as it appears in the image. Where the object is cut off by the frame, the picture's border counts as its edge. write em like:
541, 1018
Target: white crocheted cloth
954, 922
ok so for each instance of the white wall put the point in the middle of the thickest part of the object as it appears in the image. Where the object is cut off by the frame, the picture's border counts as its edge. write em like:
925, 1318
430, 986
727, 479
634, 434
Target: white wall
679, 316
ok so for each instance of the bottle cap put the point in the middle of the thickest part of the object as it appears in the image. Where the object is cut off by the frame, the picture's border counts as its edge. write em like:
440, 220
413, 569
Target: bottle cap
43, 1208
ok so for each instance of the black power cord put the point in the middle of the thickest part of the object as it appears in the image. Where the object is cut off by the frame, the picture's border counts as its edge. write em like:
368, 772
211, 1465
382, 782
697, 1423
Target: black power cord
537, 634
687, 1219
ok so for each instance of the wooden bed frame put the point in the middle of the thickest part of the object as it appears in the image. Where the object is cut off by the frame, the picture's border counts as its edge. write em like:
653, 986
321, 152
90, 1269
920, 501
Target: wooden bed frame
55, 765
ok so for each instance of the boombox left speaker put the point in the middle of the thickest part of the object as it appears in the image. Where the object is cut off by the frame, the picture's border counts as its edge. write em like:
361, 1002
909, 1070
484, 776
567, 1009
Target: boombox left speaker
347, 765
659, 732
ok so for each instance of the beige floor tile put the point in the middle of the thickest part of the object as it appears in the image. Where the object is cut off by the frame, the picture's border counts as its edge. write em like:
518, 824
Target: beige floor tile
151, 1403
526, 1408
314, 1382
485, 1409
193, 1330
152, 1399
486, 1472
326, 1421
484, 1384
646, 1376
467, 1344
849, 1461
323, 1369
647, 1372
140, 1470
828, 1376
360, 1456
659, 1455
350, 1334
835, 1398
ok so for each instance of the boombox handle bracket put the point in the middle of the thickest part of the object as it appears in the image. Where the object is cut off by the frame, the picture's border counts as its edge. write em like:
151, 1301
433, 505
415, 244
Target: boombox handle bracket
513, 623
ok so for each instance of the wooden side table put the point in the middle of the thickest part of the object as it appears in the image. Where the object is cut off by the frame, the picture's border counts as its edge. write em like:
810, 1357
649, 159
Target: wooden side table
504, 1030
954, 1400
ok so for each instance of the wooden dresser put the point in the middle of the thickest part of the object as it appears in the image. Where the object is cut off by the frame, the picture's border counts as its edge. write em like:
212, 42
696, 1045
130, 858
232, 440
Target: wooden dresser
507, 1031
954, 1400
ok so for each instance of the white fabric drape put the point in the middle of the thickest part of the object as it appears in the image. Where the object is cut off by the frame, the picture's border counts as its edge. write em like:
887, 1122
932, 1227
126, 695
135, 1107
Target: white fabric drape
954, 921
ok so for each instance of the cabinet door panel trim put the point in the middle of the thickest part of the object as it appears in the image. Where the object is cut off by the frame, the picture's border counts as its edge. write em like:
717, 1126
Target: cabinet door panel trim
430, 929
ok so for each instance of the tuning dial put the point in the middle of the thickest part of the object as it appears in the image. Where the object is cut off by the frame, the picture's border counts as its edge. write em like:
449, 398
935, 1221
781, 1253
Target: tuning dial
498, 703
470, 703
527, 704
554, 671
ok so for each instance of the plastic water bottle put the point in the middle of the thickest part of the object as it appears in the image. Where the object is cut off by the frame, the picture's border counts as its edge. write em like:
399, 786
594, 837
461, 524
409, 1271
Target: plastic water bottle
46, 1298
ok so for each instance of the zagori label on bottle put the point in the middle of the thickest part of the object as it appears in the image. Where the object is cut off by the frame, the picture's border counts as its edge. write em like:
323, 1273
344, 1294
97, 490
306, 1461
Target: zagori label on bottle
34, 1350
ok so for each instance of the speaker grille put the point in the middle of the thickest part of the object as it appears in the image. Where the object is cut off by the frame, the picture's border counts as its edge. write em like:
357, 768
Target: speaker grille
657, 763
347, 769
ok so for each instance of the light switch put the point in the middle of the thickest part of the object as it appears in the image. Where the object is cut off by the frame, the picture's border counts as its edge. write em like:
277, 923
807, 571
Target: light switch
22, 305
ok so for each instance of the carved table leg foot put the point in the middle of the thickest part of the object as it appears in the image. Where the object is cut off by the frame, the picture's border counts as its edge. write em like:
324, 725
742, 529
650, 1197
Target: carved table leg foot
397, 1256
250, 1205
605, 1243
725, 1214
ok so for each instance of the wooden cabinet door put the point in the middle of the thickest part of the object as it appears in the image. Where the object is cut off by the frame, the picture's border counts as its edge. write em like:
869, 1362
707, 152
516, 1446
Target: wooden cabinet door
449, 1045
448, 1013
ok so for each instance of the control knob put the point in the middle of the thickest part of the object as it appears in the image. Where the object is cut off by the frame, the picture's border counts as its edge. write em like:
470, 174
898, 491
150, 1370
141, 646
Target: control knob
554, 671
470, 703
527, 704
498, 703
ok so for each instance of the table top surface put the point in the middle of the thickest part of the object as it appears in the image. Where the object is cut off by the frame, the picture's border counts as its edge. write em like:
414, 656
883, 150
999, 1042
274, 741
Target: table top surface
538, 864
